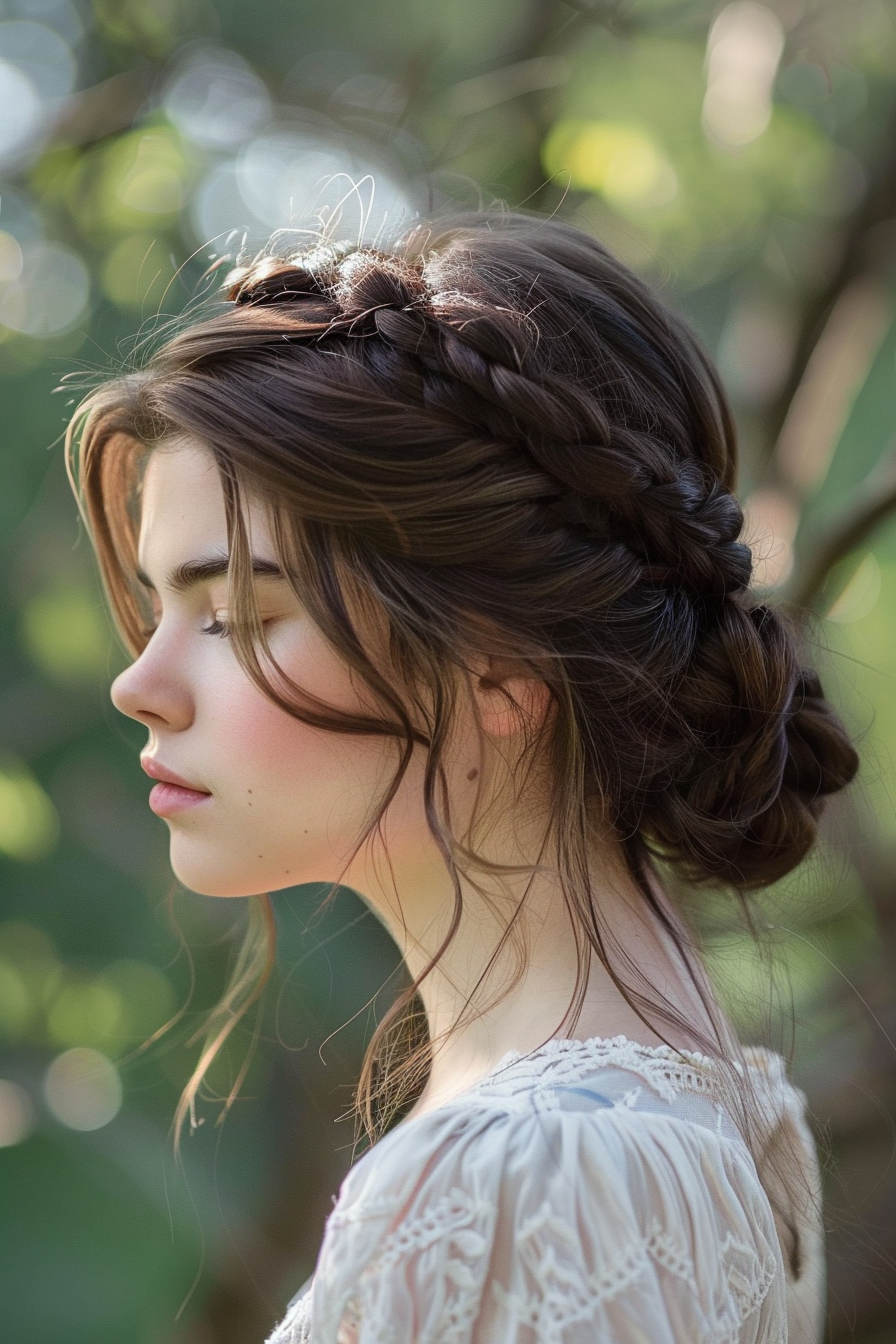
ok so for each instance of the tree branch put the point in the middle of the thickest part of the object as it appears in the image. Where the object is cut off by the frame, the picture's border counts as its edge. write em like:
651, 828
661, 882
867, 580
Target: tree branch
868, 246
873, 503
104, 109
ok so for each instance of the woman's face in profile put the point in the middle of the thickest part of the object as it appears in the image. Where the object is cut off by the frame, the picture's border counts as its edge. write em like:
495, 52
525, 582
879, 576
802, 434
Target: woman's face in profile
272, 802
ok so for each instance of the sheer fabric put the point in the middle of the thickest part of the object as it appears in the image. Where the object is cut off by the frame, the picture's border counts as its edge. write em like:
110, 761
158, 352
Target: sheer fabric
592, 1191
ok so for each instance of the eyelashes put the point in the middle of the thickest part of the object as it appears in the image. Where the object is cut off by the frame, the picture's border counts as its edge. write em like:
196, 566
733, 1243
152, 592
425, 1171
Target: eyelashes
217, 627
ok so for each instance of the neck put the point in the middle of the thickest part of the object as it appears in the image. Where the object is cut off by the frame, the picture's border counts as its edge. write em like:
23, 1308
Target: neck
507, 979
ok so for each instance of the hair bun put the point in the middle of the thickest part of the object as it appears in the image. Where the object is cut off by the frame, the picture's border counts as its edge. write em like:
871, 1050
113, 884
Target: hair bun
771, 749
819, 760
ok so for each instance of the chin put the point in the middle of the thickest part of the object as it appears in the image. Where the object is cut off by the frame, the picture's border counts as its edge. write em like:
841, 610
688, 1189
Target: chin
214, 874
204, 883
209, 876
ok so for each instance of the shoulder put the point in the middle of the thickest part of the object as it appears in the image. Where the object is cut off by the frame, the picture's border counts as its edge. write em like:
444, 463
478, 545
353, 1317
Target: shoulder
587, 1194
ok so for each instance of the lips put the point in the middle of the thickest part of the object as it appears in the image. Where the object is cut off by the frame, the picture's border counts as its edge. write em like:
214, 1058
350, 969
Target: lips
172, 793
156, 770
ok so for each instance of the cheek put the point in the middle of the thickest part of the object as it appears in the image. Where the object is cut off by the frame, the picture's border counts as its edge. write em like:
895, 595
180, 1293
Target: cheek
291, 800
284, 761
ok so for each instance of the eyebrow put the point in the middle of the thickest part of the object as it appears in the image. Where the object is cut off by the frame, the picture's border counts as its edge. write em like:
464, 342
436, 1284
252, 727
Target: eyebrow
202, 570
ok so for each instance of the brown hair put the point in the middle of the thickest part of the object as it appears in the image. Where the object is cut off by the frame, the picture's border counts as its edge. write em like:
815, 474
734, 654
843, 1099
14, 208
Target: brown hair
496, 436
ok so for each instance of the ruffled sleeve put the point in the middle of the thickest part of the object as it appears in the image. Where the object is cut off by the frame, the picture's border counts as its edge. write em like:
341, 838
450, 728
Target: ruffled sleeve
544, 1225
788, 1167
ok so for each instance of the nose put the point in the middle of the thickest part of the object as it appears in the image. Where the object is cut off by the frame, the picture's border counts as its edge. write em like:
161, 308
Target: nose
153, 690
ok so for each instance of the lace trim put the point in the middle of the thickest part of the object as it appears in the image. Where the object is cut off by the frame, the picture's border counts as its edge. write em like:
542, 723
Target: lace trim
748, 1280
370, 1211
666, 1070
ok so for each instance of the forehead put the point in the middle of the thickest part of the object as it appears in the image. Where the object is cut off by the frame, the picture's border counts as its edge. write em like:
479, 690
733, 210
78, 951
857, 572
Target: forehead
182, 511
181, 493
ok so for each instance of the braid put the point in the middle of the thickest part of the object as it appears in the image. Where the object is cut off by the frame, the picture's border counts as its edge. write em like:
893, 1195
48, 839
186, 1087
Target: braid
683, 525
671, 512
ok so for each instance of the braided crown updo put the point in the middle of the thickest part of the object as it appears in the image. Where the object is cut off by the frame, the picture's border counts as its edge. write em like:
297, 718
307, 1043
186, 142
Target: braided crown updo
494, 427
550, 445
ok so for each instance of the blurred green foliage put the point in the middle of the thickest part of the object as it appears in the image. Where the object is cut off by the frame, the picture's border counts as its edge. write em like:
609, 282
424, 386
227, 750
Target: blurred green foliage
743, 157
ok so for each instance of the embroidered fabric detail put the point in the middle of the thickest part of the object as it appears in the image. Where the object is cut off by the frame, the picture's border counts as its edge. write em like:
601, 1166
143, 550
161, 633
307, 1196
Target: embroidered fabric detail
374, 1211
748, 1280
561, 1200
459, 1225
561, 1293
671, 1252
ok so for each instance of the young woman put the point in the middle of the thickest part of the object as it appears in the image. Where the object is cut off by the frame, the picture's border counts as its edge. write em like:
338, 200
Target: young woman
429, 562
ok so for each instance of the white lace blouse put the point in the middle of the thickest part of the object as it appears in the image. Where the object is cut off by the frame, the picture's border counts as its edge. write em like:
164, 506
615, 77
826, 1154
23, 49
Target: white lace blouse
591, 1192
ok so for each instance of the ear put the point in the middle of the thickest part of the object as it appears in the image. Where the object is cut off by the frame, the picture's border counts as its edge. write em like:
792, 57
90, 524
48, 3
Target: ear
510, 697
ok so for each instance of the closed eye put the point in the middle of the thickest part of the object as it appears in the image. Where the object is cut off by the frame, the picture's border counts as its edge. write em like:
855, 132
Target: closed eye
223, 628
215, 627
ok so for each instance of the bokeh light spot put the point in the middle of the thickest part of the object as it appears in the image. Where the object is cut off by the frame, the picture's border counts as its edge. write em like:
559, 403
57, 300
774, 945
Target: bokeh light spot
152, 185
744, 48
65, 633
51, 292
41, 54
134, 184
22, 112
29, 825
16, 1113
82, 1089
138, 272
216, 99
621, 162
84, 1014
10, 258
287, 178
